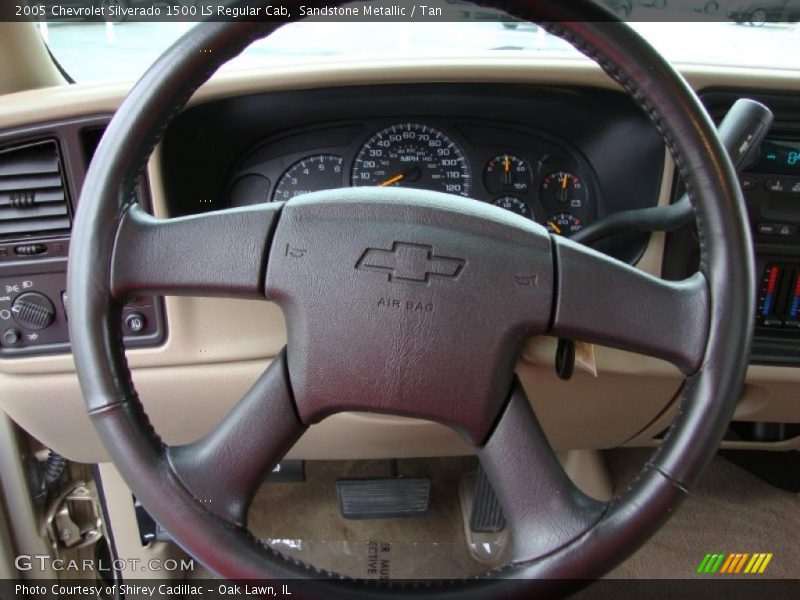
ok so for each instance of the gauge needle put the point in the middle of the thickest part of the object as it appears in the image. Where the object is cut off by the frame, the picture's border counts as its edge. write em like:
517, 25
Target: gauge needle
564, 189
555, 227
394, 179
507, 163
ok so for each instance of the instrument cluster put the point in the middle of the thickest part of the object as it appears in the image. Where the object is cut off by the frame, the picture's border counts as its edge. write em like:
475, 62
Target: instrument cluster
526, 172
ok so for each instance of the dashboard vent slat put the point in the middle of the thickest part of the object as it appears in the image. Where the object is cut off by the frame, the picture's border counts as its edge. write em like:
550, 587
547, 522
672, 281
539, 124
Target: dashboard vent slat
37, 212
34, 165
32, 194
23, 199
26, 182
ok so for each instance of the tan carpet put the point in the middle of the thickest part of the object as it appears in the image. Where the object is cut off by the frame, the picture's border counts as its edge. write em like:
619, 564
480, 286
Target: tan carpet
731, 511
303, 520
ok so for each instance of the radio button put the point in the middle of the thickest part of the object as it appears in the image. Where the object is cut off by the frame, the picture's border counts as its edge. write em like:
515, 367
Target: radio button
748, 183
767, 228
776, 185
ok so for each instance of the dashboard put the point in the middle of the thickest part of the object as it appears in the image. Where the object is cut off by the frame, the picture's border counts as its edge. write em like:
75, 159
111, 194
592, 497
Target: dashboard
519, 169
561, 156
511, 130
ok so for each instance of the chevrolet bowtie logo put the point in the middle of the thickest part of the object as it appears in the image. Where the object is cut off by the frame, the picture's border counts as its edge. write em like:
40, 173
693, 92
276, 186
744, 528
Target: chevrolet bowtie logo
415, 263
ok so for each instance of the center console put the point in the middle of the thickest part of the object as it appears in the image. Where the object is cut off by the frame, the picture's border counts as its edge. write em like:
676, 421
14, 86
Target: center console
771, 188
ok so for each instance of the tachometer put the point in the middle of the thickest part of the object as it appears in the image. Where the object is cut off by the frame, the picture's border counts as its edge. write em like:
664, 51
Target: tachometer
310, 174
413, 155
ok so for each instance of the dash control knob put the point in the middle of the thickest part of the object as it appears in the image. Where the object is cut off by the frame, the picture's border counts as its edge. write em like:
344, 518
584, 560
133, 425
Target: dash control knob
135, 323
12, 336
33, 310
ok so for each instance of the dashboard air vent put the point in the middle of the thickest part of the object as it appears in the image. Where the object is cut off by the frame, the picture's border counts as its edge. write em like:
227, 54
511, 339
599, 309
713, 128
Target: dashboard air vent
32, 194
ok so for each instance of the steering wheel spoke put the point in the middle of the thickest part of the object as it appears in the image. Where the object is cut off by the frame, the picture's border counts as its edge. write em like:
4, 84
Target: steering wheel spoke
604, 301
222, 253
544, 509
224, 469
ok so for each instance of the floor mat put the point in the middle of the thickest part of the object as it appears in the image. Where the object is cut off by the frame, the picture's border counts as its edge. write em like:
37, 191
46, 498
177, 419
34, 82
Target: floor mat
303, 521
731, 511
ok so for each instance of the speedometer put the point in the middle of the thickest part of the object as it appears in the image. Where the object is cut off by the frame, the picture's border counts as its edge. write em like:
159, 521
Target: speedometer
413, 155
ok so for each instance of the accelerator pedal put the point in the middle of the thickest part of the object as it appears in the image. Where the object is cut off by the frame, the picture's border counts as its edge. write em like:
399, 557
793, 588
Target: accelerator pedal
486, 515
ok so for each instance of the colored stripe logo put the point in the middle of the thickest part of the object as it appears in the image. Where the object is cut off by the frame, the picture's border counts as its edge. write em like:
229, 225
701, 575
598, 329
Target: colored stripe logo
734, 563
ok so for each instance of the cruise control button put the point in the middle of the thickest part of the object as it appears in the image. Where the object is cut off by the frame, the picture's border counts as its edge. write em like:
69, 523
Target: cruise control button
795, 187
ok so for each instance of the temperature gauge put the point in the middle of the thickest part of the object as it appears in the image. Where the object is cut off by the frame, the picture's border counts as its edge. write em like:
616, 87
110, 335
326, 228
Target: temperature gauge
507, 172
515, 205
563, 188
564, 224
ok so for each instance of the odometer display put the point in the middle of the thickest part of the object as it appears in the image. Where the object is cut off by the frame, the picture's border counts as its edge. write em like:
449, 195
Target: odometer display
413, 155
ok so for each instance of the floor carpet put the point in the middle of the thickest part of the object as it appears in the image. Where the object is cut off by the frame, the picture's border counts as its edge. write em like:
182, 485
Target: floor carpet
730, 511
303, 521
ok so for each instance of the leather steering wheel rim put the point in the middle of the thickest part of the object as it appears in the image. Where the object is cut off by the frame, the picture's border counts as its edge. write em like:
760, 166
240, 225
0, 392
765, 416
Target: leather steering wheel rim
114, 244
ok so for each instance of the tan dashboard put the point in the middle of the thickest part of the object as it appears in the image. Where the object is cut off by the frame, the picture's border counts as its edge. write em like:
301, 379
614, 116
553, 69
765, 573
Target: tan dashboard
215, 349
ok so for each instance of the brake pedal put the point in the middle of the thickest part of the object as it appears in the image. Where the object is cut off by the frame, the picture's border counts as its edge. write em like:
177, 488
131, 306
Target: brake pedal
383, 498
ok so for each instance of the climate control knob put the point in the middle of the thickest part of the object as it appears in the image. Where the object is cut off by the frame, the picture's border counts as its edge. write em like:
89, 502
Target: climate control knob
33, 310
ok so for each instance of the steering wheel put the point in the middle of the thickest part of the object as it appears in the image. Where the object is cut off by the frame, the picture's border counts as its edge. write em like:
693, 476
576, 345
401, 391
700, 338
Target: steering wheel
466, 284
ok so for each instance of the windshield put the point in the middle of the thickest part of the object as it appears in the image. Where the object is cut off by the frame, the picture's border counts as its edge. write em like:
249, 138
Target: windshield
710, 33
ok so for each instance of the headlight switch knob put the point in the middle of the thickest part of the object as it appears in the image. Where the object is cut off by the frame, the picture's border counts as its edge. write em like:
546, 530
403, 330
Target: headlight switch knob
33, 310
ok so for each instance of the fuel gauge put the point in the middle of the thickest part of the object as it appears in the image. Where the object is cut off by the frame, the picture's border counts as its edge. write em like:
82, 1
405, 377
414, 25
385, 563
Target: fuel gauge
515, 205
507, 173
